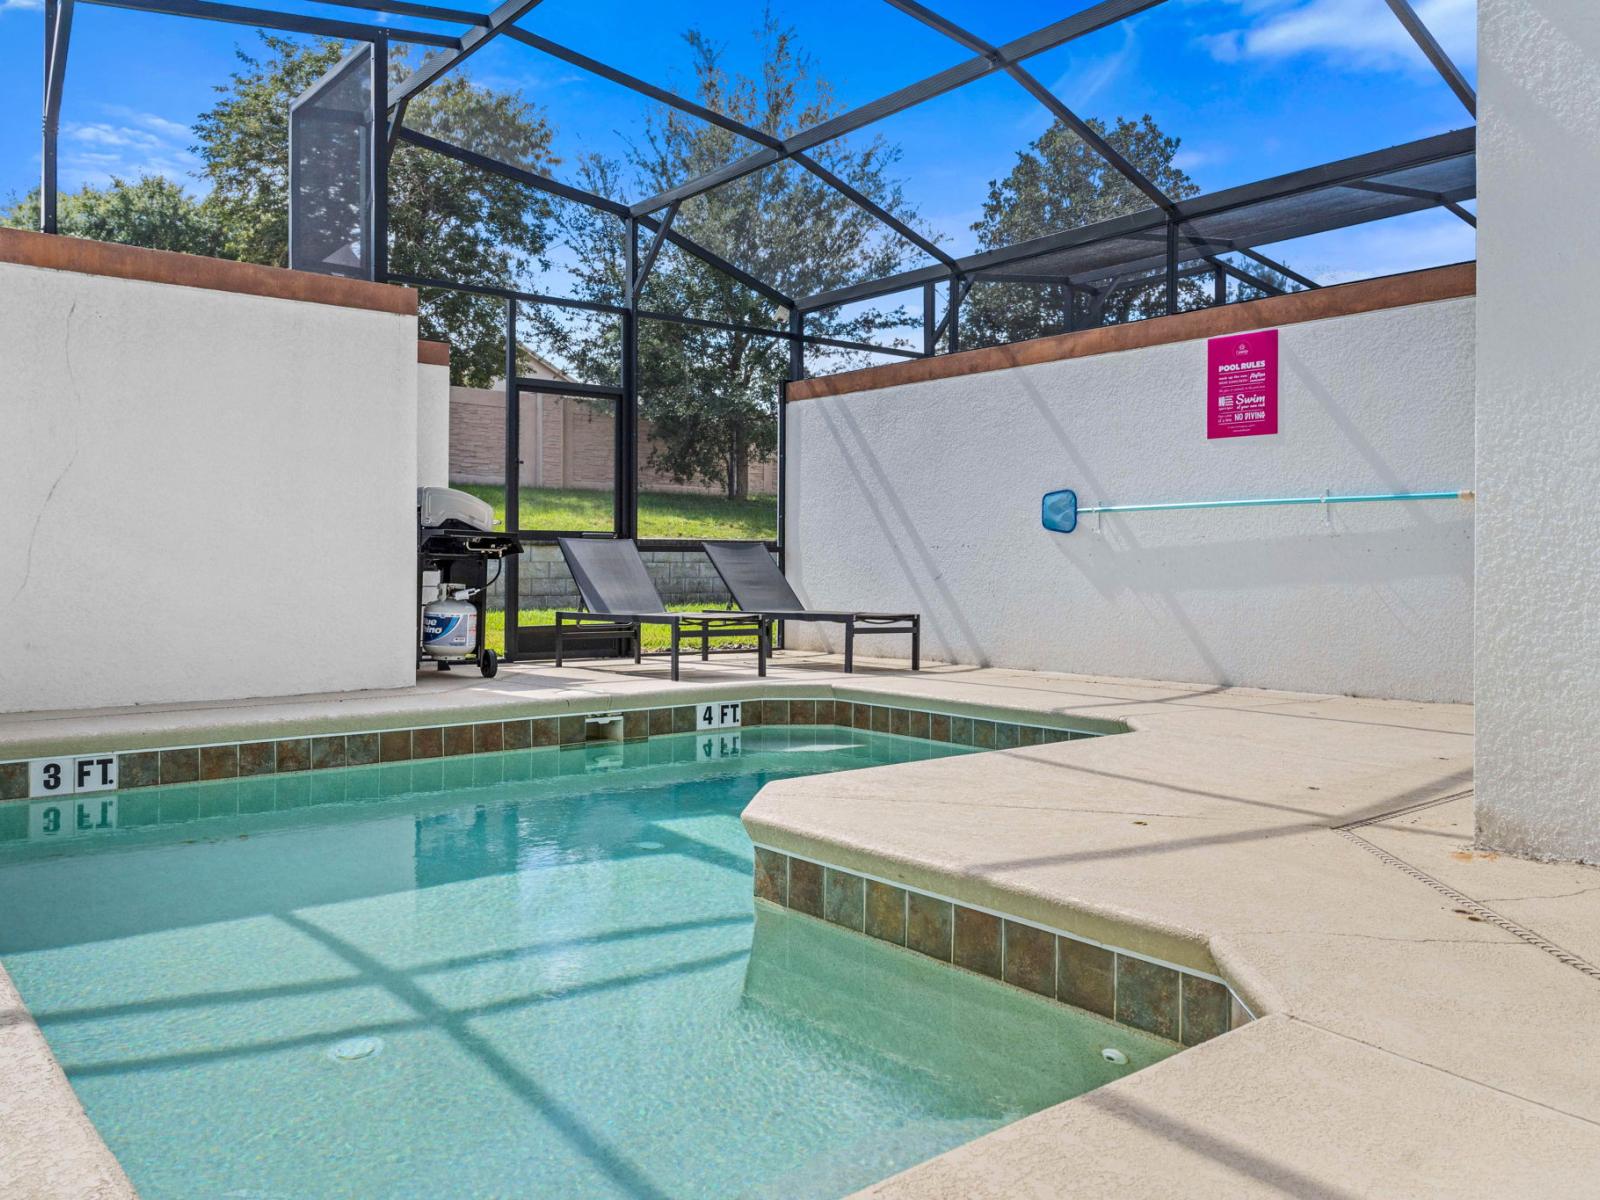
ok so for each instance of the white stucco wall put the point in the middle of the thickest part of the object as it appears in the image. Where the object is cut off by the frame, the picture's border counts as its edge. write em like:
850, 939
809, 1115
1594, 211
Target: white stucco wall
927, 495
1538, 569
207, 495
433, 425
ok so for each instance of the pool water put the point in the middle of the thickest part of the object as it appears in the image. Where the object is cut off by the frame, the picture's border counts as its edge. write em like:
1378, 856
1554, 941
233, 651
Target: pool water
535, 973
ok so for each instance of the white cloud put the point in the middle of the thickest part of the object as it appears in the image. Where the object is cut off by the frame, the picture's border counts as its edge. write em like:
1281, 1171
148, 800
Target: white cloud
173, 130
1353, 33
1082, 81
1192, 158
1085, 76
128, 144
21, 5
1429, 238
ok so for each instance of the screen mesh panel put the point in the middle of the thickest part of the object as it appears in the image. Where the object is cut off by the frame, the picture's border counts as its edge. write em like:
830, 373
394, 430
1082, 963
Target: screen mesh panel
1136, 244
330, 172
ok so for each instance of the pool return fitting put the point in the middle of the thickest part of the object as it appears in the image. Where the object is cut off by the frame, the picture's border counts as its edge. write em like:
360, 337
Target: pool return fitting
1059, 511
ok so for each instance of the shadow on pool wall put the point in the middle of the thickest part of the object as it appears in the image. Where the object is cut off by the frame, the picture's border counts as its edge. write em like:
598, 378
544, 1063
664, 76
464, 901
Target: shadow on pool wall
541, 949
1019, 1052
1369, 600
425, 836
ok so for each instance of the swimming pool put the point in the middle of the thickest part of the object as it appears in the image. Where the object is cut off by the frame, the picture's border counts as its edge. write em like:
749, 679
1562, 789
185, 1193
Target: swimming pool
528, 973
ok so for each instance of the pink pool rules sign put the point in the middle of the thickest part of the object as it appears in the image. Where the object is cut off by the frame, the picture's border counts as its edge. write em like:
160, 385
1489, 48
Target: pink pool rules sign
1242, 385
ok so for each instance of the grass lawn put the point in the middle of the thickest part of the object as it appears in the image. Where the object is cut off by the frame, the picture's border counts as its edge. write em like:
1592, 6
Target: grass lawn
661, 514
656, 637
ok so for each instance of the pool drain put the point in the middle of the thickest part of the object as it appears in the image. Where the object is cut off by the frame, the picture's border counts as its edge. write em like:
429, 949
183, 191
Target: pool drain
1112, 1055
352, 1049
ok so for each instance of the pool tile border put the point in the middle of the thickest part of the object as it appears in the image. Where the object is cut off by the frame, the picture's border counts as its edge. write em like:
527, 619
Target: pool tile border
294, 754
1163, 999
1177, 1004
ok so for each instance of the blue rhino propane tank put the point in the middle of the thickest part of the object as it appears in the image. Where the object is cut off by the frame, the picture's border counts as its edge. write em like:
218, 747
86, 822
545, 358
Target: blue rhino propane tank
450, 625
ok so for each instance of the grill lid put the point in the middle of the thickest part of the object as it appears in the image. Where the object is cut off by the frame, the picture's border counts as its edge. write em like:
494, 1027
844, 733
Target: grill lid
441, 507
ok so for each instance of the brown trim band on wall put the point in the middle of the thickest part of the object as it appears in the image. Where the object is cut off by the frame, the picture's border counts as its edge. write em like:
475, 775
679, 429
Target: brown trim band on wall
1342, 300
58, 252
434, 354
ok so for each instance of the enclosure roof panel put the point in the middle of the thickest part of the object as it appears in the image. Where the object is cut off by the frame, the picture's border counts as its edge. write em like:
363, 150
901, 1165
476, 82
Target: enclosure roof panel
1295, 205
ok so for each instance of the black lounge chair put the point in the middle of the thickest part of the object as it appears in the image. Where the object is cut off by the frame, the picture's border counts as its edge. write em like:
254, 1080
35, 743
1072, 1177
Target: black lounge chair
758, 586
619, 597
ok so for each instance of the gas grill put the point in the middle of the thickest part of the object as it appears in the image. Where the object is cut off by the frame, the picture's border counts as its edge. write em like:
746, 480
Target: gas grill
456, 542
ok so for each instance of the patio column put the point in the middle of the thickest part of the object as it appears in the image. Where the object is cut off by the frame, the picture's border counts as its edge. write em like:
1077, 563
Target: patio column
1537, 633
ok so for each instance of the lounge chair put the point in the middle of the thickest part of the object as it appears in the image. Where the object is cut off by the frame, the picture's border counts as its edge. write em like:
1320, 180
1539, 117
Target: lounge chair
619, 597
758, 586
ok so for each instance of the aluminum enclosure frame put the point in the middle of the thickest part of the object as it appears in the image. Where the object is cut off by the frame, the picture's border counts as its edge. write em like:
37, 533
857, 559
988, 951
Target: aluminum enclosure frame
1179, 249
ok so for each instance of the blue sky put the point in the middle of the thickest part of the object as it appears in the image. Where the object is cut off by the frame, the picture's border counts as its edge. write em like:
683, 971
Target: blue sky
1253, 87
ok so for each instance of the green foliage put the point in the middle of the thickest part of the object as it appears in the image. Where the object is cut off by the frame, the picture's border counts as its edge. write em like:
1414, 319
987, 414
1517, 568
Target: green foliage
1059, 182
709, 394
653, 637
1238, 289
446, 219
449, 221
153, 212
661, 514
244, 145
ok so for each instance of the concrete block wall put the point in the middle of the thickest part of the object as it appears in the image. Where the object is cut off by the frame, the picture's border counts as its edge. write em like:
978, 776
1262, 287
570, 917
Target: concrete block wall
566, 443
1376, 395
543, 581
685, 577
477, 435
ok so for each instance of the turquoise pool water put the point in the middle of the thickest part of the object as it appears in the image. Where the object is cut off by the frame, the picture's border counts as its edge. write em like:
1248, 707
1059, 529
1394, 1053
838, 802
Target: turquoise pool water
551, 961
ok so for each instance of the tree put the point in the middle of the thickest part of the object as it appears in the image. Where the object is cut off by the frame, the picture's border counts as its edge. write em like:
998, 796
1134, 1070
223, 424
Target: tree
1275, 281
446, 220
710, 395
1059, 182
153, 212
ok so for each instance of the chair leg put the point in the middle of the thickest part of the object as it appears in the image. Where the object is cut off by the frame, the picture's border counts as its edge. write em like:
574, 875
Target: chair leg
916, 643
674, 651
558, 641
638, 644
763, 648
849, 647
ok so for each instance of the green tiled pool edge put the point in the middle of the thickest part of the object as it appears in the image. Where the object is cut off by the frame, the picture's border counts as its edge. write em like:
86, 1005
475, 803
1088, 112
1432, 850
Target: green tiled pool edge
1169, 1001
151, 767
1176, 1003
571, 765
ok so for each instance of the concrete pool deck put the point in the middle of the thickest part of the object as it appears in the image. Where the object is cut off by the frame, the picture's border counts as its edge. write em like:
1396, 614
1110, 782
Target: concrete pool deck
1429, 1016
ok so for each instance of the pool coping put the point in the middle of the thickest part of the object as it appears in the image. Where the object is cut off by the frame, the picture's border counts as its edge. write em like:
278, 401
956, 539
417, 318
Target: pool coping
1164, 999
151, 759
217, 748
48, 1145
1107, 978
1357, 970
1196, 755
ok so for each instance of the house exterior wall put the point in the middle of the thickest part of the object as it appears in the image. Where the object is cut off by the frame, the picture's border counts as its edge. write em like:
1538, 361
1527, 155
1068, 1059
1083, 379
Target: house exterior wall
566, 443
925, 495
209, 490
1538, 429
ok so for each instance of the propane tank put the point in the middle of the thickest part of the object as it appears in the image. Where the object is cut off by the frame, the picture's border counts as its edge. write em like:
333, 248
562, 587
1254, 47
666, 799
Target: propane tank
450, 624
430, 586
